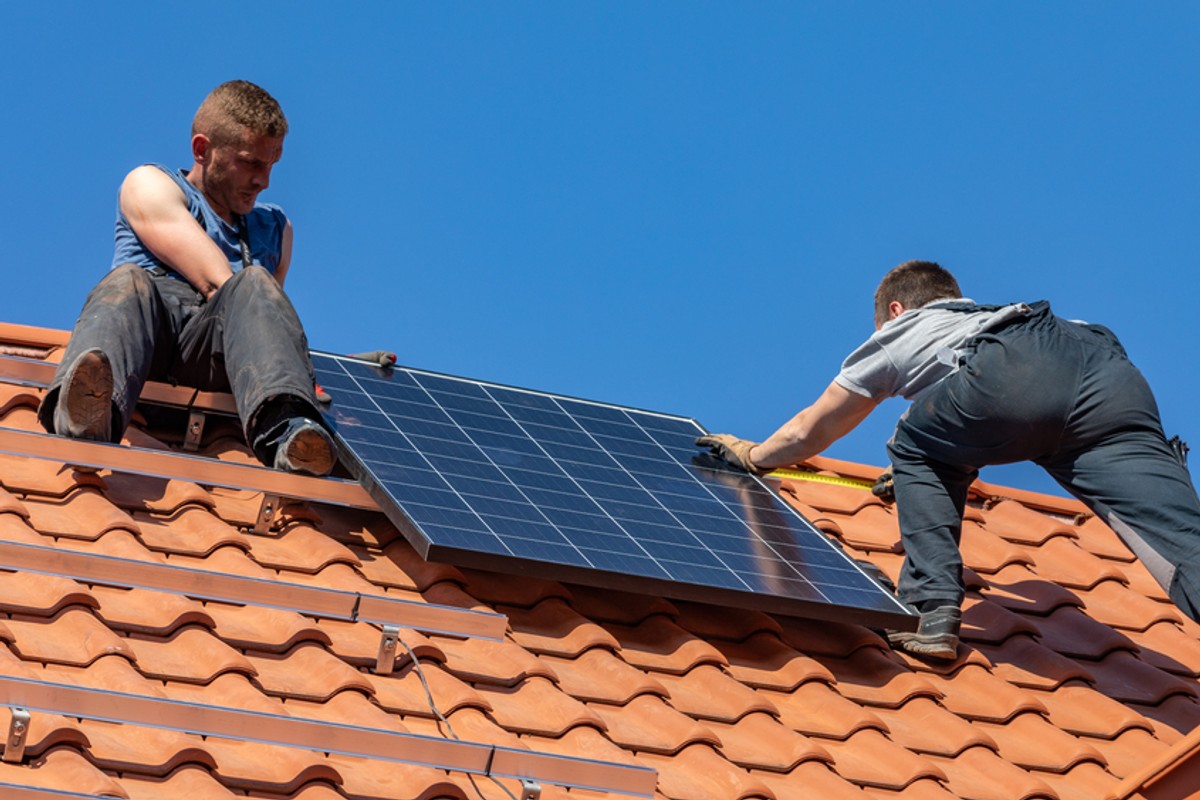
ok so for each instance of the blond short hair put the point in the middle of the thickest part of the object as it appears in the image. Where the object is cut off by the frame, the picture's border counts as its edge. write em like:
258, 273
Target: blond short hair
236, 108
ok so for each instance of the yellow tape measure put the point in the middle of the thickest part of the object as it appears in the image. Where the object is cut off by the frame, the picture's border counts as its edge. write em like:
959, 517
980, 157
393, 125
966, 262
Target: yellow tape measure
836, 480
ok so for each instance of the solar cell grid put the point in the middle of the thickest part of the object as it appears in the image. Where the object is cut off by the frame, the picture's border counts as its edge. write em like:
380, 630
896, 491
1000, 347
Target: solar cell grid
503, 478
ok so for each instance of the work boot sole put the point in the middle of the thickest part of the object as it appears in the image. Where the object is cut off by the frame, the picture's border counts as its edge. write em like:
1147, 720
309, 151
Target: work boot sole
307, 450
935, 637
84, 409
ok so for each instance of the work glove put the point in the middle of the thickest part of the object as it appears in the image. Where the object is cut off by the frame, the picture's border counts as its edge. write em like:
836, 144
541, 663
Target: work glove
884, 488
381, 357
730, 448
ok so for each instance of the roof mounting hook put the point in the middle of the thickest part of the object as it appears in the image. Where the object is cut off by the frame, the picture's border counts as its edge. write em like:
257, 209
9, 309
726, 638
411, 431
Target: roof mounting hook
18, 731
195, 430
385, 661
530, 789
266, 513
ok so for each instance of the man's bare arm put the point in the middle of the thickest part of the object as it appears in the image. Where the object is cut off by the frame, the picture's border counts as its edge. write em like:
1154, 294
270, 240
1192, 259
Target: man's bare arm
285, 254
157, 211
835, 413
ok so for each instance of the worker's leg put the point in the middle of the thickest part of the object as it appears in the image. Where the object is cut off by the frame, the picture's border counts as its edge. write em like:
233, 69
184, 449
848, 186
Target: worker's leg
248, 339
1116, 459
117, 333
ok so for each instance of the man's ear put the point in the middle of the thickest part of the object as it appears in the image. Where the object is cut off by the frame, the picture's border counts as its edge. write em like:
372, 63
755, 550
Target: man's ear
895, 309
201, 147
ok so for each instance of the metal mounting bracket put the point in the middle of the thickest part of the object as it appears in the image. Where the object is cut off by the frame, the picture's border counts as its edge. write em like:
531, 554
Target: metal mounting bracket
530, 789
385, 662
195, 429
18, 731
266, 513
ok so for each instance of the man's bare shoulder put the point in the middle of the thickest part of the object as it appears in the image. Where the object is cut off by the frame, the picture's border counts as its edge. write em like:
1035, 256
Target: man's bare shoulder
147, 187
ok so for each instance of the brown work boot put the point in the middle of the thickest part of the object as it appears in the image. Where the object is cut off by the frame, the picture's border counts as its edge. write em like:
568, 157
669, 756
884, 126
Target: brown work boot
935, 637
84, 409
305, 447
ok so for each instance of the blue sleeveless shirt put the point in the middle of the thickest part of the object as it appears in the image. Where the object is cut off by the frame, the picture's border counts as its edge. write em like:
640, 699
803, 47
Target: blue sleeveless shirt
265, 224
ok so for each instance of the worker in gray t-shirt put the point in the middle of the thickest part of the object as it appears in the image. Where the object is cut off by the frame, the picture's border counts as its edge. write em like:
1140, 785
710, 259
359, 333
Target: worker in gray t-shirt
995, 385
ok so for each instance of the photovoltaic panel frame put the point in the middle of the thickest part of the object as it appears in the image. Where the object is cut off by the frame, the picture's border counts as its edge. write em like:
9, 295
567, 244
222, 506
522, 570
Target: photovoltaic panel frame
496, 477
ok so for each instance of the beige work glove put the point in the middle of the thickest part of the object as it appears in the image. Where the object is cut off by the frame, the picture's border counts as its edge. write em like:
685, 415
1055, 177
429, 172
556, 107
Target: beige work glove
730, 448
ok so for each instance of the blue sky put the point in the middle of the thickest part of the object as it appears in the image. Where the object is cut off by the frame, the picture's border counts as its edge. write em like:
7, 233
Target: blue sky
677, 206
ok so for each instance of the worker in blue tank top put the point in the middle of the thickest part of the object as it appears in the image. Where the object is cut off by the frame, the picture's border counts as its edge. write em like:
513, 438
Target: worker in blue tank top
195, 295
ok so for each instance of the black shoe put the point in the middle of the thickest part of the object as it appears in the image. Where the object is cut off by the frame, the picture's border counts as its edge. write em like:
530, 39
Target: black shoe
305, 447
84, 409
936, 637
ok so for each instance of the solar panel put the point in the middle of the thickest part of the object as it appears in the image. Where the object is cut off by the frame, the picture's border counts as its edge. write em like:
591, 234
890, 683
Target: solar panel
496, 477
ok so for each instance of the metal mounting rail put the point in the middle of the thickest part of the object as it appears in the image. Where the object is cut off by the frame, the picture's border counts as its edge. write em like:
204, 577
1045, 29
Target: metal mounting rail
11, 791
199, 469
326, 737
31, 372
313, 601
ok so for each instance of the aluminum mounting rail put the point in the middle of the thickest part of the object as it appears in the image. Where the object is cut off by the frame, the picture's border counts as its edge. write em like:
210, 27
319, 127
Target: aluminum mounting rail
272, 729
313, 601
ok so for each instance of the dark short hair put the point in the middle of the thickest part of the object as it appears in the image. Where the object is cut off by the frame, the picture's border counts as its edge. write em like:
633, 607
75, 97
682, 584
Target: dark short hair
914, 284
235, 107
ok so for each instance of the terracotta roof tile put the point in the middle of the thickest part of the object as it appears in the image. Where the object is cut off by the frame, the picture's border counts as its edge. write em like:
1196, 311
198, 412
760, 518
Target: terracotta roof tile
870, 758
498, 663
1129, 752
1100, 540
142, 611
191, 781
1123, 676
927, 727
758, 741
980, 774
699, 773
986, 552
1020, 524
536, 706
47, 731
832, 639
403, 693
601, 676
258, 767
11, 504
74, 636
975, 693
555, 628
130, 748
924, 789
709, 693
65, 770
230, 690
875, 678
364, 777
154, 495
813, 779
727, 624
985, 622
646, 724
307, 672
1078, 708
191, 654
300, 548
191, 530
621, 608
1030, 741
845, 500
764, 662
1064, 562
82, 514
357, 643
1023, 661
872, 527
14, 528
267, 629
1017, 588
815, 709
114, 673
1176, 715
399, 565
1085, 782
659, 645
1112, 603
1168, 647
42, 595
502, 590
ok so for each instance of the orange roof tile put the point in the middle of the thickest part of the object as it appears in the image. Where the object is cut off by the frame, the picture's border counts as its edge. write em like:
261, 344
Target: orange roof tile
1076, 679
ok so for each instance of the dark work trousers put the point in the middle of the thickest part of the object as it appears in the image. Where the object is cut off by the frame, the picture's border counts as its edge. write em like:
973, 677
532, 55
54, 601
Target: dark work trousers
246, 339
1066, 397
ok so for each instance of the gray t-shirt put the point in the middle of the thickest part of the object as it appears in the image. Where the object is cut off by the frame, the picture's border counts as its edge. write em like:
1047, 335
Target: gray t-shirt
918, 348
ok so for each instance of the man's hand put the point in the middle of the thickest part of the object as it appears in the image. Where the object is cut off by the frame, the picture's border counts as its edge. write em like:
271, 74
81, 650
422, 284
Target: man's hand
730, 448
885, 488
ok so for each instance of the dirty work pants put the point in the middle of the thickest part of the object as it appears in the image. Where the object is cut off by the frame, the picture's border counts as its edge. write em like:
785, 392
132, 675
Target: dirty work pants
1064, 396
246, 339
